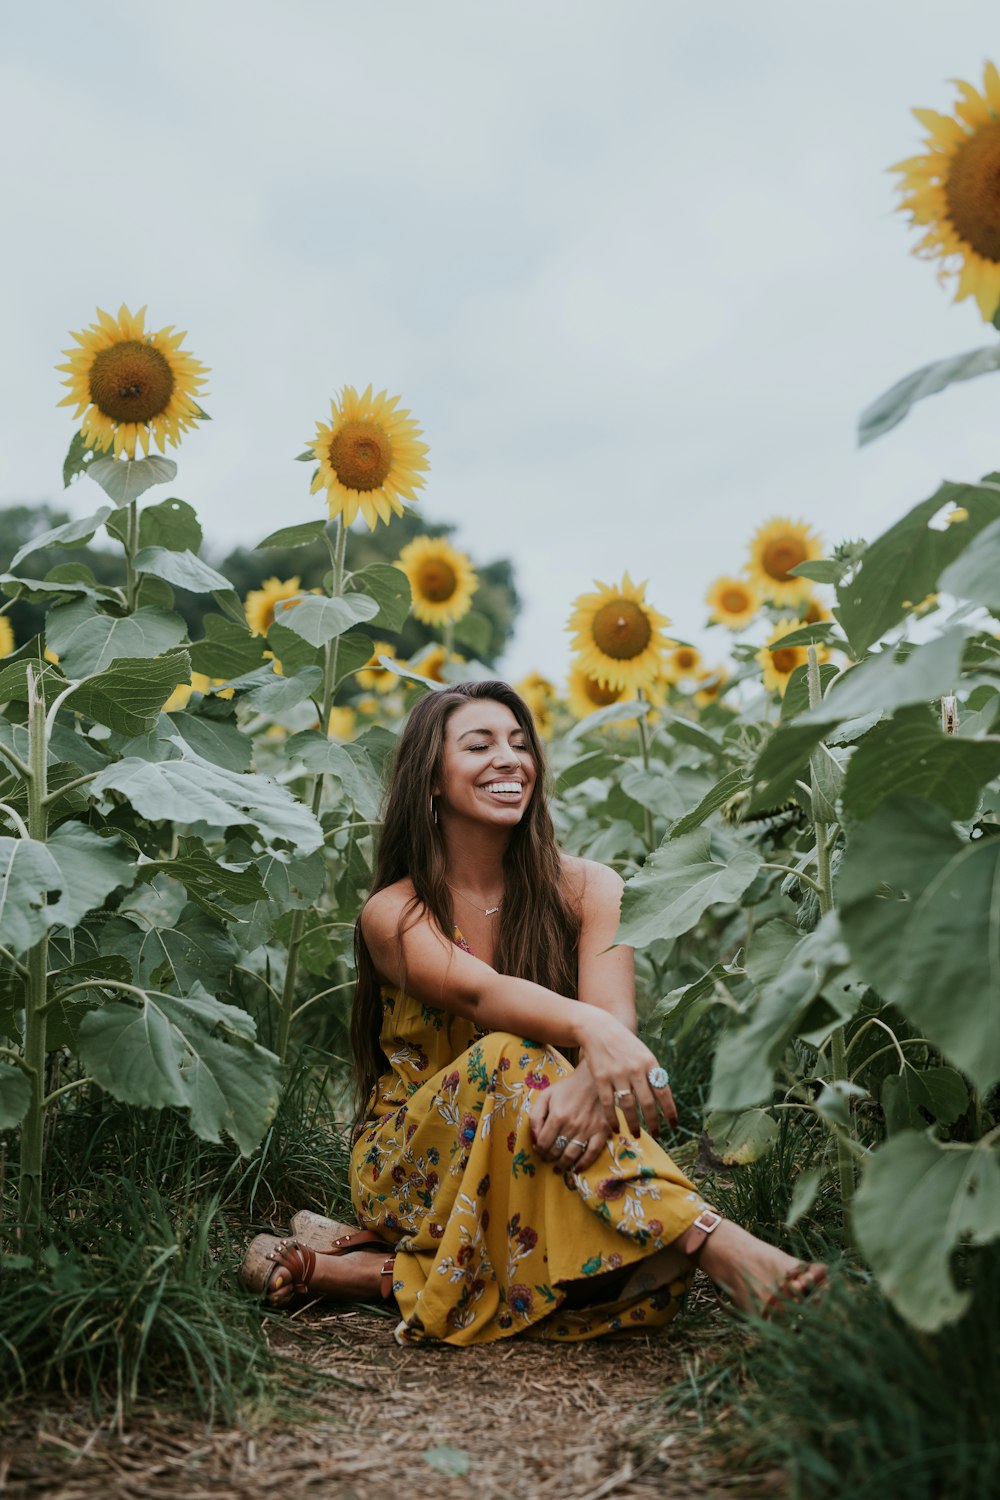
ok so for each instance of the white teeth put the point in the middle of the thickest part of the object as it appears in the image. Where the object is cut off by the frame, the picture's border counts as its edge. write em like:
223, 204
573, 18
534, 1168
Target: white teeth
503, 786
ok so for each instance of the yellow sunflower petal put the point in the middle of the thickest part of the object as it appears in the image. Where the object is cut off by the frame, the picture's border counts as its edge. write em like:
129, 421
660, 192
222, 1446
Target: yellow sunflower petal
442, 579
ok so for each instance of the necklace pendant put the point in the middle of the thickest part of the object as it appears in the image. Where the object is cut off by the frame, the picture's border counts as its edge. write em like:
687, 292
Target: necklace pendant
490, 911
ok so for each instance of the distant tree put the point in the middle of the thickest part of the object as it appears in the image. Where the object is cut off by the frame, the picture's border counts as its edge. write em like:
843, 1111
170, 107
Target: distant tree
496, 596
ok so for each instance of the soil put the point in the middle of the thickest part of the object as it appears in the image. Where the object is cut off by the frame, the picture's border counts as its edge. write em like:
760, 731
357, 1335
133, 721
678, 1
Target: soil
511, 1421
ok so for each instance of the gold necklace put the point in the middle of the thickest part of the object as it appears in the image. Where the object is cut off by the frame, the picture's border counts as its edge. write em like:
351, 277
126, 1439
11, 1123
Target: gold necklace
487, 911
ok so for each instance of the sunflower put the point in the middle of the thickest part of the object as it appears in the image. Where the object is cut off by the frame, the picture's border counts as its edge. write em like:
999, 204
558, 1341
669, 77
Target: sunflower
682, 661
442, 579
711, 685
541, 697
733, 602
128, 384
585, 694
260, 604
374, 675
778, 661
952, 191
776, 548
618, 635
432, 661
6, 636
370, 457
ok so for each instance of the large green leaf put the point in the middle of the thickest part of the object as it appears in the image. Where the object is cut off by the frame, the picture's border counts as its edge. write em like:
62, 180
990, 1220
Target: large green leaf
930, 943
193, 791
390, 588
318, 619
28, 873
911, 754
173, 523
182, 569
87, 642
749, 1053
197, 949
892, 406
680, 881
228, 650
975, 574
904, 564
878, 685
220, 741
279, 694
128, 696
915, 1095
203, 876
917, 1202
15, 1095
64, 535
680, 1010
352, 767
192, 1053
294, 536
125, 479
721, 793
91, 868
474, 631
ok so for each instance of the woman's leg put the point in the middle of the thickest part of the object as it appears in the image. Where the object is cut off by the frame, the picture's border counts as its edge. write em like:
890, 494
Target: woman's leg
753, 1273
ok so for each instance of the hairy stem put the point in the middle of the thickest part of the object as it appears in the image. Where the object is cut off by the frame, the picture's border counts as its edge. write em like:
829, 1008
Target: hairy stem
286, 1013
838, 1039
33, 1128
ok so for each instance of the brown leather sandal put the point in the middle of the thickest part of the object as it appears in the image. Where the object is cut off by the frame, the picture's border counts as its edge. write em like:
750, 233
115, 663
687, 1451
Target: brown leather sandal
263, 1273
784, 1299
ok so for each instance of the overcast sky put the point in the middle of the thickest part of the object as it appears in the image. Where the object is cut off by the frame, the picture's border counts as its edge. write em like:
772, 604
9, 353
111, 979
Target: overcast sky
633, 265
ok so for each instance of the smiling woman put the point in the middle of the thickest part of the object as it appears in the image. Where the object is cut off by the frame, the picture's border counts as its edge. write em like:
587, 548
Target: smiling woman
502, 1188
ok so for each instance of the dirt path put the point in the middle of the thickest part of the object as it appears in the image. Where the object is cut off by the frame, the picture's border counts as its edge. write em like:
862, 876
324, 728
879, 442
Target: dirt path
522, 1420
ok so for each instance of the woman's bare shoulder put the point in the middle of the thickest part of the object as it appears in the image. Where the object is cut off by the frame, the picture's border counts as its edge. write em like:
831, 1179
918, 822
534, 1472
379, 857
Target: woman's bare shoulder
590, 884
383, 909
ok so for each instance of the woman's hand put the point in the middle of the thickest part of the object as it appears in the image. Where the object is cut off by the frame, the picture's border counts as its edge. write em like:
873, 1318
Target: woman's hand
620, 1065
570, 1111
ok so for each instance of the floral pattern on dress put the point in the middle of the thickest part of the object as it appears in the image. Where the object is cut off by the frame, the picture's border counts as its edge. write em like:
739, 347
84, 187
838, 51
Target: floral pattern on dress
488, 1235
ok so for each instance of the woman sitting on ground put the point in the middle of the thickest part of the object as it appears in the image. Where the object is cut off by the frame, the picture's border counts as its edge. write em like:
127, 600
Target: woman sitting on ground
516, 1191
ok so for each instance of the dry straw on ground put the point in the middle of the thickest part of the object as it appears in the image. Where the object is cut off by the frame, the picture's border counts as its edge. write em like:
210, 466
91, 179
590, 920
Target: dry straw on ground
569, 1422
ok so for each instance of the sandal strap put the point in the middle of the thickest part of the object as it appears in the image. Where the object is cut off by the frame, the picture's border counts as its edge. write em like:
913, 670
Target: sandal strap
360, 1239
307, 1265
386, 1278
693, 1242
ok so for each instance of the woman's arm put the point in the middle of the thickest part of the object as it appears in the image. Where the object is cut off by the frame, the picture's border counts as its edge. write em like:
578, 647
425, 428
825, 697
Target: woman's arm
606, 975
424, 962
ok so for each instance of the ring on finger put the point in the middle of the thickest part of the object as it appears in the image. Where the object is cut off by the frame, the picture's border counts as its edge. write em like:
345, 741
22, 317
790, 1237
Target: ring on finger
658, 1078
561, 1142
577, 1142
622, 1094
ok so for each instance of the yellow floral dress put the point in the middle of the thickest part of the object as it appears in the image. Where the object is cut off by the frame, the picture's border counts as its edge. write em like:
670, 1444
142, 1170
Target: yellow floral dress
490, 1239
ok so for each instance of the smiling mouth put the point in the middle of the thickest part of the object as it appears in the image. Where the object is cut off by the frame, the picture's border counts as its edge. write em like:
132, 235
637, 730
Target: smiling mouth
503, 788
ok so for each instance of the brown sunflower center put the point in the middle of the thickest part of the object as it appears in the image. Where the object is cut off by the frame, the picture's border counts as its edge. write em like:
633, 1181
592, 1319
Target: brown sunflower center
360, 455
621, 629
972, 191
601, 696
785, 659
781, 554
436, 580
735, 601
685, 658
131, 381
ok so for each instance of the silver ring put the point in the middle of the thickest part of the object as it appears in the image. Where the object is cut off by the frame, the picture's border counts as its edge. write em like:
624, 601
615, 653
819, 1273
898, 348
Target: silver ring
658, 1078
582, 1144
622, 1094
561, 1142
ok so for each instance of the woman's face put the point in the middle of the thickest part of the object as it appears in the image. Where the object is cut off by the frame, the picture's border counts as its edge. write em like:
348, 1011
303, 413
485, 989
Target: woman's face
487, 771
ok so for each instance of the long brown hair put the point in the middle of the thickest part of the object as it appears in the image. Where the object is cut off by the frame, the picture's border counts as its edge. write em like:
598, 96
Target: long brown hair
539, 928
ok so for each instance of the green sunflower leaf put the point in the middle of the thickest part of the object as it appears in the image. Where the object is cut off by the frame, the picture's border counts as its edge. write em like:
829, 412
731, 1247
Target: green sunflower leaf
390, 588
293, 536
889, 409
65, 535
125, 479
15, 1095
318, 619
129, 695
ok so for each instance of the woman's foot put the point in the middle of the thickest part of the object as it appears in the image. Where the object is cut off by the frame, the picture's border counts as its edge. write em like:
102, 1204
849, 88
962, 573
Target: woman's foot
758, 1277
280, 1270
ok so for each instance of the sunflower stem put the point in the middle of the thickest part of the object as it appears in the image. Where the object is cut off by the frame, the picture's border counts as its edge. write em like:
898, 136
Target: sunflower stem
131, 548
287, 1011
36, 983
644, 749
448, 640
838, 1040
